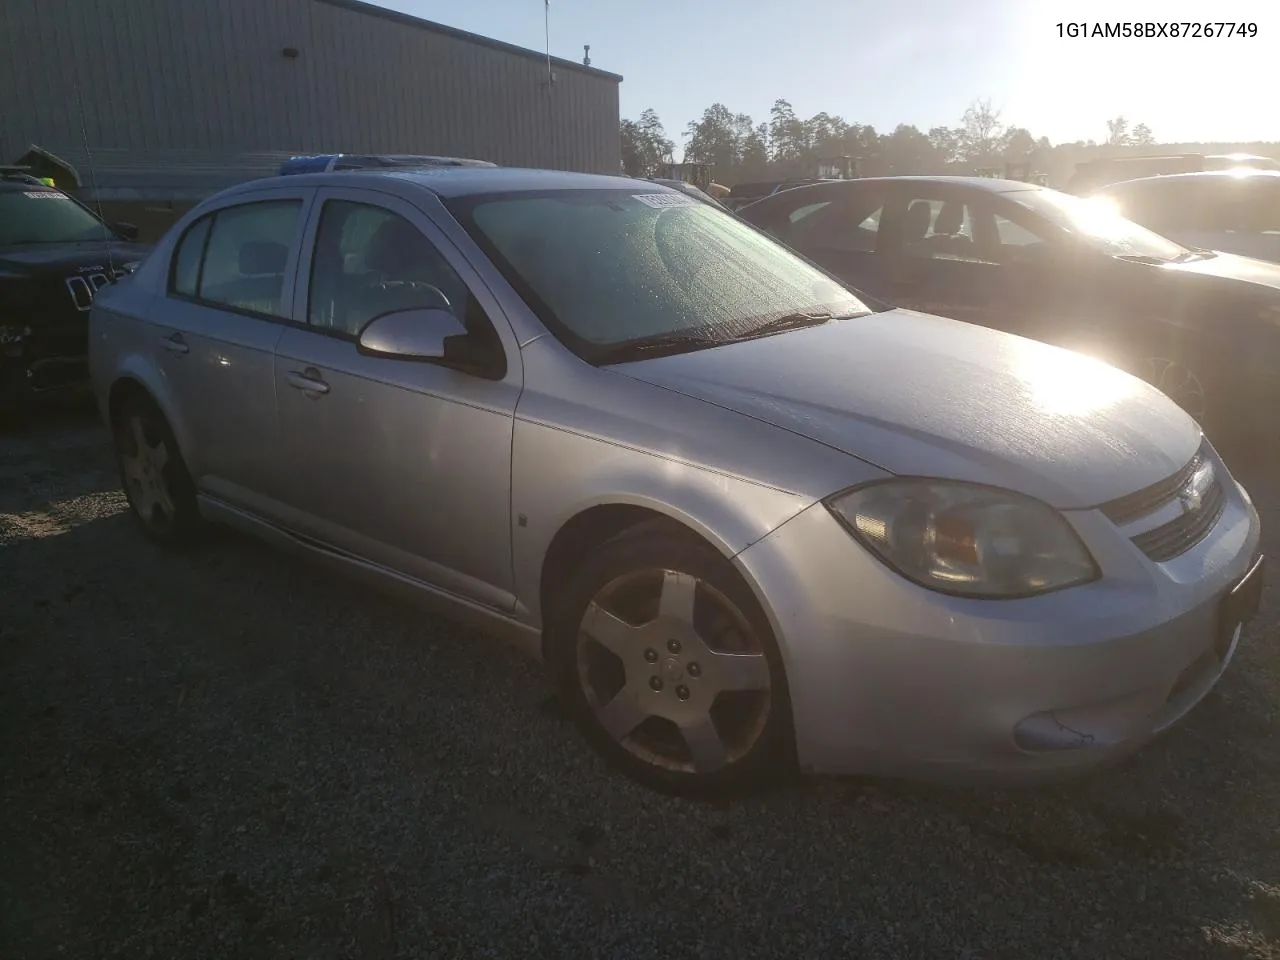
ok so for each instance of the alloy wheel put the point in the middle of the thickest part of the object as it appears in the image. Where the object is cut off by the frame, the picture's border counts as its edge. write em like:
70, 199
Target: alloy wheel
143, 460
673, 672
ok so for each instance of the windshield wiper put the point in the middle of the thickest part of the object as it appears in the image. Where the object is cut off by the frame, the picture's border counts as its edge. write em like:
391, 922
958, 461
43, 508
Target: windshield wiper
665, 343
791, 321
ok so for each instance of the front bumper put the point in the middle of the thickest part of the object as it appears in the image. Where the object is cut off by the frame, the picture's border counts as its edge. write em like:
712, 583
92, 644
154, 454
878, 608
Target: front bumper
892, 679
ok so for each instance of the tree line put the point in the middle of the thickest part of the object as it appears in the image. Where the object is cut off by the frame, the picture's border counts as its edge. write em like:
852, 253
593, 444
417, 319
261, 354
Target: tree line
738, 149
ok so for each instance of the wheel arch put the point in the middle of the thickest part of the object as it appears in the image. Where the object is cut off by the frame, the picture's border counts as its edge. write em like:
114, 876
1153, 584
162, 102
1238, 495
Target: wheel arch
596, 524
133, 381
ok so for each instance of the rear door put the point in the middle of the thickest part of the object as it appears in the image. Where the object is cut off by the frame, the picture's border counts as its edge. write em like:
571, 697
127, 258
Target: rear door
969, 254
213, 334
937, 253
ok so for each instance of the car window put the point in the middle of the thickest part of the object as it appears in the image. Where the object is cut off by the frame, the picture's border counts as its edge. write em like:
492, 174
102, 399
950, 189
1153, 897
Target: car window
185, 275
1096, 223
937, 229
609, 267
848, 224
370, 261
244, 261
1265, 209
42, 215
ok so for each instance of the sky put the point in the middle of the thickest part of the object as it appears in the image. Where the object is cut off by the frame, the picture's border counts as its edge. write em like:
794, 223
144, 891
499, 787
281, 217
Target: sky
921, 62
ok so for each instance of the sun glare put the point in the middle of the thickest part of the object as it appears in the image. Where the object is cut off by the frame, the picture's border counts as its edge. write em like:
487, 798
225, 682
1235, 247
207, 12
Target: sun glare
1070, 386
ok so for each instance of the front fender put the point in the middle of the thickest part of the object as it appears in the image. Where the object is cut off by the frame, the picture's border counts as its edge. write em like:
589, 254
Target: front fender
560, 474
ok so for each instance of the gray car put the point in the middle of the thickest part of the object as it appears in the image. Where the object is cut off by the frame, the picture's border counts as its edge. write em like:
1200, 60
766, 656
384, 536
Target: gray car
747, 521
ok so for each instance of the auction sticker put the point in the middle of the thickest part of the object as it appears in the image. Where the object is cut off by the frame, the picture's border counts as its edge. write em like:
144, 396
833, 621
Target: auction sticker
665, 199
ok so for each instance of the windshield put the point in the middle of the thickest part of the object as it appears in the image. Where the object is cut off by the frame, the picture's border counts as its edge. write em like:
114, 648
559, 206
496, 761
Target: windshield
46, 216
603, 268
1098, 224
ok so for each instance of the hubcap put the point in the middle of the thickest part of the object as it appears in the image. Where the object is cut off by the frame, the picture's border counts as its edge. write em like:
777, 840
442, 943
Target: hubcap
144, 462
1177, 382
700, 705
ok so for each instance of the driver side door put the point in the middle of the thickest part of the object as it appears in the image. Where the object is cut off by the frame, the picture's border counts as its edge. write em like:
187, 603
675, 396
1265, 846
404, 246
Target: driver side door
403, 463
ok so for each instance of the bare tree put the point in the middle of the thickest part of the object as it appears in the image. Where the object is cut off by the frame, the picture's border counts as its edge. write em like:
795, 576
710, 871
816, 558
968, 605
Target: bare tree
980, 134
1142, 136
1118, 132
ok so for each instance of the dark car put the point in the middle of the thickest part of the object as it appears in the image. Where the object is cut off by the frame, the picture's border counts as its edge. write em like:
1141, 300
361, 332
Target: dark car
1227, 210
55, 254
1204, 327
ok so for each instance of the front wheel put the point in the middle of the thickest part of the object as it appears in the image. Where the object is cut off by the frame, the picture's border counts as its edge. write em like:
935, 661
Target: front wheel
669, 666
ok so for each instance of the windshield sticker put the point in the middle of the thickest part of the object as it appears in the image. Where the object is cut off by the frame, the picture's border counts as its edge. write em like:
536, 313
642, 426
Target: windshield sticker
665, 199
42, 195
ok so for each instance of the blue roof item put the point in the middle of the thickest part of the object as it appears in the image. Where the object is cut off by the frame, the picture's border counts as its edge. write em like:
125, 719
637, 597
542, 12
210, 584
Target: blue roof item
324, 162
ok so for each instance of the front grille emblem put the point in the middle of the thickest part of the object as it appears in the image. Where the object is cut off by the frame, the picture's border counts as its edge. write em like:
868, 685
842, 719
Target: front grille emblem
1193, 493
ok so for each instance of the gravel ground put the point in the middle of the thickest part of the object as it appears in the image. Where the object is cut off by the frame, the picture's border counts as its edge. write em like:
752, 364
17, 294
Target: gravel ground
225, 753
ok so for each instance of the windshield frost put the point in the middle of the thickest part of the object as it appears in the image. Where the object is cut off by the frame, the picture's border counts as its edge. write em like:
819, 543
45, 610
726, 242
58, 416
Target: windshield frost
610, 267
1098, 224
45, 216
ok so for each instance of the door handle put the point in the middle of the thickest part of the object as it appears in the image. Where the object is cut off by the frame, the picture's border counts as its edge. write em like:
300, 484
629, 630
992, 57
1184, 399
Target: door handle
308, 381
175, 344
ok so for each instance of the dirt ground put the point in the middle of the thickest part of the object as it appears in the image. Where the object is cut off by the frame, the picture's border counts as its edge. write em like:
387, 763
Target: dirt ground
225, 753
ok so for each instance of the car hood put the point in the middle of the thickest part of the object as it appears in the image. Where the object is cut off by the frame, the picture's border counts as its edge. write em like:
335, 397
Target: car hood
921, 395
50, 258
1229, 266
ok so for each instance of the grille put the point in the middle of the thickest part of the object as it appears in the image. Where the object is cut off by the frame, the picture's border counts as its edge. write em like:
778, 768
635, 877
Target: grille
1183, 532
83, 286
1149, 499
1178, 536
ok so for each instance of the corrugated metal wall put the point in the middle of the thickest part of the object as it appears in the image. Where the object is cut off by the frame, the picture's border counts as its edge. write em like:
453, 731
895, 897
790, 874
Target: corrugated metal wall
209, 75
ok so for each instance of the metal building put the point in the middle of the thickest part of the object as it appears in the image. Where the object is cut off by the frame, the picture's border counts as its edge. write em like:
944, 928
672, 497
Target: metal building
164, 101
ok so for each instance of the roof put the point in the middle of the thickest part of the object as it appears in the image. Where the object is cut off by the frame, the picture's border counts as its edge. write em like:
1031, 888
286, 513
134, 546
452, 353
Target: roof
989, 184
469, 181
1243, 174
407, 20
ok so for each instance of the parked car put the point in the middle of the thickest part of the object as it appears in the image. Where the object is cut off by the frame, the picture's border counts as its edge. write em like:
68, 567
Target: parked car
1091, 175
1204, 327
1230, 211
747, 520
55, 254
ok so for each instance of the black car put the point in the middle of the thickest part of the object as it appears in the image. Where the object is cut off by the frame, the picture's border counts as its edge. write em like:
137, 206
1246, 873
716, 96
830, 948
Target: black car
55, 254
1204, 327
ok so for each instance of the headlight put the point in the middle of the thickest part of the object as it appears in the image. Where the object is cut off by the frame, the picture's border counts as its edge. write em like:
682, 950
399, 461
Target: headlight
965, 539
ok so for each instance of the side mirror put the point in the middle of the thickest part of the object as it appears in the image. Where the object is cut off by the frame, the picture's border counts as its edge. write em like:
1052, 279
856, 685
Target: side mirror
127, 230
411, 335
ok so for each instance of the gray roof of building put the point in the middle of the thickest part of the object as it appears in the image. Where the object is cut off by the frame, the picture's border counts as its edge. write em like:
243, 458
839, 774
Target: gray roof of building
409, 20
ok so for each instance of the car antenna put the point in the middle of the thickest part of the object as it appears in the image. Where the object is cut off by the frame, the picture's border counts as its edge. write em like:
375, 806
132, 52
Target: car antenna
93, 178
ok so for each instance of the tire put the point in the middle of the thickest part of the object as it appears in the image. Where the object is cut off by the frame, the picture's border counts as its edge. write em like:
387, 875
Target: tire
669, 668
161, 494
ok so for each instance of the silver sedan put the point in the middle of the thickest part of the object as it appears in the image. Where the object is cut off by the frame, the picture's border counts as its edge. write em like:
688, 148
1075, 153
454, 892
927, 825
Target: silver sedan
748, 520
